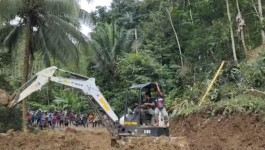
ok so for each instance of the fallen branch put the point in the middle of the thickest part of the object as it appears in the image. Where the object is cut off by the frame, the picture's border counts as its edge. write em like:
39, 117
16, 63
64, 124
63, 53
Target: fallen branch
255, 91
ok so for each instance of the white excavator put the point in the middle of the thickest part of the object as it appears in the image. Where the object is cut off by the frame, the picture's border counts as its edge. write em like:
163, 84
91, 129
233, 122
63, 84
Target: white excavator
127, 126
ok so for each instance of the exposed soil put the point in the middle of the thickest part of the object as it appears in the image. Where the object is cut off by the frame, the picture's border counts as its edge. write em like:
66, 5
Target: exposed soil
77, 139
241, 131
48, 139
197, 131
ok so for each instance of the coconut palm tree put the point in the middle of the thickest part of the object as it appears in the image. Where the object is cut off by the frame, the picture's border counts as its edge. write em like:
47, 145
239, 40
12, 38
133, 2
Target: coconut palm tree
50, 26
107, 42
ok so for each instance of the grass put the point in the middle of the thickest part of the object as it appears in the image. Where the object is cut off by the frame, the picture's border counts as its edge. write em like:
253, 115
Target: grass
239, 104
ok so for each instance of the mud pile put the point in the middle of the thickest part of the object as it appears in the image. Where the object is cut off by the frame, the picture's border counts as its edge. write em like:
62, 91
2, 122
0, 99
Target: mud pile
148, 143
239, 131
68, 139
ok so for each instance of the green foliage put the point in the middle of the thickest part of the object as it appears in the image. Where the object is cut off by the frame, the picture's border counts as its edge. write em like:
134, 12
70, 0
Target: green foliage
108, 43
254, 72
204, 37
70, 99
4, 84
35, 106
139, 68
239, 104
10, 119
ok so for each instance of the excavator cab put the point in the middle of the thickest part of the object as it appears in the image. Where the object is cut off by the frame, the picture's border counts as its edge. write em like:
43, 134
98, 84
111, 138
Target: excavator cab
135, 123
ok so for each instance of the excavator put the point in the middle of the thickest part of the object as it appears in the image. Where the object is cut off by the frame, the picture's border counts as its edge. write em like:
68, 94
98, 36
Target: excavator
129, 125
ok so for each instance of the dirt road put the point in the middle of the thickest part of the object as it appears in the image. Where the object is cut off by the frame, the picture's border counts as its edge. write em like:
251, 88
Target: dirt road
59, 139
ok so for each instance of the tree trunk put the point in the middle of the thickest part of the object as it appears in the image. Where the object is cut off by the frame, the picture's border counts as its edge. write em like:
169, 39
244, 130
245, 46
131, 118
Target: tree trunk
231, 33
241, 26
136, 38
261, 21
191, 18
26, 70
260, 17
243, 43
176, 35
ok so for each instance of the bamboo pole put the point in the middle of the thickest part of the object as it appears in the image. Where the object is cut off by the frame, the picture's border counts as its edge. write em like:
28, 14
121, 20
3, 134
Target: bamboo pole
176, 35
231, 33
213, 81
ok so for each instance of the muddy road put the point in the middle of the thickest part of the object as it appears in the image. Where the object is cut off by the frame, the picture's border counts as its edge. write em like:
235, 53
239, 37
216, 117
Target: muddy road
77, 139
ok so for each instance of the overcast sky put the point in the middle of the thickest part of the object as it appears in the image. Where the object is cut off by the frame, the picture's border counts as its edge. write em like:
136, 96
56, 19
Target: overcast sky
90, 7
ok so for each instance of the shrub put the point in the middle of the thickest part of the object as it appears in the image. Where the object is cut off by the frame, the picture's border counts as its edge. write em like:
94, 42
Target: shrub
10, 119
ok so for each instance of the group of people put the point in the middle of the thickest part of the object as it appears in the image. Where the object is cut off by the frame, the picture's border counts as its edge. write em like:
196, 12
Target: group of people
154, 106
61, 119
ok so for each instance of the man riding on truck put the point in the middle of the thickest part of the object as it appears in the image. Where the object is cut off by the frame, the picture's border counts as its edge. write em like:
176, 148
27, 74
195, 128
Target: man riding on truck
148, 108
160, 106
153, 106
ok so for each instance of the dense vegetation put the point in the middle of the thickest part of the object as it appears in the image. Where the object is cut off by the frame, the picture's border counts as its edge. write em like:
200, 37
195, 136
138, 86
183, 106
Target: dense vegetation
179, 43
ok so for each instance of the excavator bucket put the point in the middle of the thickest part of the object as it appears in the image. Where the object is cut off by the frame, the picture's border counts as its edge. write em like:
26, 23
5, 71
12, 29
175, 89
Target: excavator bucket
4, 98
115, 142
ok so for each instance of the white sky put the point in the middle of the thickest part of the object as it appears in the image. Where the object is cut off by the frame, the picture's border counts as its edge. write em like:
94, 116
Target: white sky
91, 7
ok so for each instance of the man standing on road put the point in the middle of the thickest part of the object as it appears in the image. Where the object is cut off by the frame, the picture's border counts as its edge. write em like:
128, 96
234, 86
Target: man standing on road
54, 120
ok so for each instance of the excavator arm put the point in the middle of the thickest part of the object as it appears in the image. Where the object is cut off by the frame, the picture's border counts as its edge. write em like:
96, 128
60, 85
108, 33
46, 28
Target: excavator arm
87, 85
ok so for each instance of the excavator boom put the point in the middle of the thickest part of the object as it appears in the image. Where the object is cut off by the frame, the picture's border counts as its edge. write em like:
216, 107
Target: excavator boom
34, 84
87, 85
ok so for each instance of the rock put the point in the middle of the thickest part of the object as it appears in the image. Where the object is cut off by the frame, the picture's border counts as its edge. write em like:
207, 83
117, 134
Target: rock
10, 132
70, 130
4, 97
61, 136
3, 134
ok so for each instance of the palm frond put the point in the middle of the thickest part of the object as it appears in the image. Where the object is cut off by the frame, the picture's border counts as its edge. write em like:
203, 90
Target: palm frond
64, 8
107, 42
67, 28
60, 45
57, 23
86, 18
40, 44
10, 35
9, 9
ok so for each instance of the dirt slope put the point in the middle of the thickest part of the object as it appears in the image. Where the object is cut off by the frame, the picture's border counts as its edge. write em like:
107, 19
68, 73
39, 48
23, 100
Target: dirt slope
241, 131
